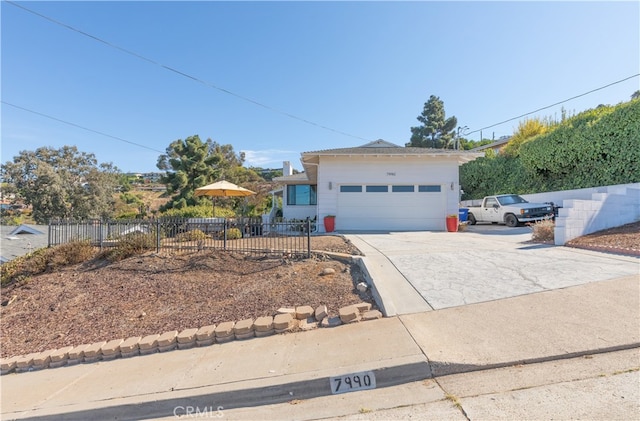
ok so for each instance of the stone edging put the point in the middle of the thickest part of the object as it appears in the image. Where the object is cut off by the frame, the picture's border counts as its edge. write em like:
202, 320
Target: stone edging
286, 320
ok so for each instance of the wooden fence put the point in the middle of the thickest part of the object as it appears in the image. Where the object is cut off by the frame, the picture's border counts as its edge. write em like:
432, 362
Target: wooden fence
249, 235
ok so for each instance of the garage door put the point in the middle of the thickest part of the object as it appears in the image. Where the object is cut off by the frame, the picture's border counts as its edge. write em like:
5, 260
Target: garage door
391, 207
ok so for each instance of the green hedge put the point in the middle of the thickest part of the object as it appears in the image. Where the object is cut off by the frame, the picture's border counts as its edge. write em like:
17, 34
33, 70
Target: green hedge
595, 148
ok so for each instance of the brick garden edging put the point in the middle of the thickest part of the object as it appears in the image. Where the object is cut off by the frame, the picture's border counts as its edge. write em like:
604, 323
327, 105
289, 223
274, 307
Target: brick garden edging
287, 319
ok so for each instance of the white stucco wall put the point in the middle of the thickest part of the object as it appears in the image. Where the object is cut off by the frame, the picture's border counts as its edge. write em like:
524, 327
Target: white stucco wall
334, 171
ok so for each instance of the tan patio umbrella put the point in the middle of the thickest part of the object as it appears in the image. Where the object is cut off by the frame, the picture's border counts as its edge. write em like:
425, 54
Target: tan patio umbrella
222, 189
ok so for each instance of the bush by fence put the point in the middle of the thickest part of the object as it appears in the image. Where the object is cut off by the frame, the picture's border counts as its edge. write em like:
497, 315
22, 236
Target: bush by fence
249, 235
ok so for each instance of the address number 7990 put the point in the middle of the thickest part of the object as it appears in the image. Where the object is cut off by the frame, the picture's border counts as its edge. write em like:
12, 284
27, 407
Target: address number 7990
353, 382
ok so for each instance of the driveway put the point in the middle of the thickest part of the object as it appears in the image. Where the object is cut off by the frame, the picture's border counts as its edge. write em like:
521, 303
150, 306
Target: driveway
489, 262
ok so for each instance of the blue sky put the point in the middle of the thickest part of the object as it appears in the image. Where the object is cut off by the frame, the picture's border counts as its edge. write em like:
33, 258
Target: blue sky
361, 69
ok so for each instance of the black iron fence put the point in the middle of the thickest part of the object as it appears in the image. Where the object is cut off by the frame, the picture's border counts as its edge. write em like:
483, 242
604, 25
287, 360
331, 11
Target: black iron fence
249, 235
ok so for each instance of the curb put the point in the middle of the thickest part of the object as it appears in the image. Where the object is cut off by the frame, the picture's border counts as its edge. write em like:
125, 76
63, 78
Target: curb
212, 405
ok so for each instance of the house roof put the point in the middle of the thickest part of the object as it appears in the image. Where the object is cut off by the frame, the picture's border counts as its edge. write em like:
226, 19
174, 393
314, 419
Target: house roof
25, 229
498, 143
17, 241
292, 179
310, 160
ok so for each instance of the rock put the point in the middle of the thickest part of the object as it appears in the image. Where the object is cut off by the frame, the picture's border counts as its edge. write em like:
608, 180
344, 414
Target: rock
283, 321
304, 312
9, 301
362, 287
331, 321
371, 315
286, 310
362, 307
327, 271
321, 312
349, 314
308, 324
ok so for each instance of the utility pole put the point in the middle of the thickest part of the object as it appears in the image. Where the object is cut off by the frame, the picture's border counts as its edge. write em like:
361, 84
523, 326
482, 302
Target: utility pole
460, 129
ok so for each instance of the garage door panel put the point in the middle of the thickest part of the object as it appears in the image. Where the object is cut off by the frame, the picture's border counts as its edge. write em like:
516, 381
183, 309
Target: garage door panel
387, 224
391, 211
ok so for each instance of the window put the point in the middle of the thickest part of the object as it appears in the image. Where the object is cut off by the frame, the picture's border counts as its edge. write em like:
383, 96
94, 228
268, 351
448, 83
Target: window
302, 194
350, 189
429, 189
402, 189
377, 189
491, 202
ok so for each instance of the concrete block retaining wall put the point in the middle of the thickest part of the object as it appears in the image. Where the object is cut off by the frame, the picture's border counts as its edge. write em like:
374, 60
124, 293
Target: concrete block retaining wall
287, 320
584, 211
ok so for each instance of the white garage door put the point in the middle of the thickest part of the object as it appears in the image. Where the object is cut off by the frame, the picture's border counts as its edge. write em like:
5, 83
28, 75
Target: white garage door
391, 207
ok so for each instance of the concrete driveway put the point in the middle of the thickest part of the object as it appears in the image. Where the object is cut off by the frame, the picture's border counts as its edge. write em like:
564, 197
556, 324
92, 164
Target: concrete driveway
485, 263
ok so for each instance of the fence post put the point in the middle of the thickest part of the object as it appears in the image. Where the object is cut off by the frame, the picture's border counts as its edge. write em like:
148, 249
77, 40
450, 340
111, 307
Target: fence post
157, 236
100, 234
224, 231
308, 238
49, 235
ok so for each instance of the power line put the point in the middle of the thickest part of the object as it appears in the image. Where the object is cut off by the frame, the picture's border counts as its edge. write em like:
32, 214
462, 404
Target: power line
178, 72
553, 105
81, 127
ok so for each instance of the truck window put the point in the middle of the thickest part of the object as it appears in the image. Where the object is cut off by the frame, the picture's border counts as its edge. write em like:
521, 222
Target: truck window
490, 202
510, 199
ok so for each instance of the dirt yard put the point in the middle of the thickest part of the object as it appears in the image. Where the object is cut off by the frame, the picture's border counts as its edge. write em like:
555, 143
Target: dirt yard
154, 293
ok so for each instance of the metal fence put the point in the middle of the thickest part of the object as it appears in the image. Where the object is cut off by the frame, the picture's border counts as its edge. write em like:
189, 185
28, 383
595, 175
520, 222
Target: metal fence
249, 235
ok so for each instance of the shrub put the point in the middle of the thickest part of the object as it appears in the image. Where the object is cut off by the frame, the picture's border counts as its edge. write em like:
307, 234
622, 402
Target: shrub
45, 259
200, 211
543, 230
193, 235
72, 253
234, 234
130, 245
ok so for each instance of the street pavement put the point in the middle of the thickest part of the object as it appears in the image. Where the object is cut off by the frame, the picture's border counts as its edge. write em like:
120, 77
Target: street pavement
568, 349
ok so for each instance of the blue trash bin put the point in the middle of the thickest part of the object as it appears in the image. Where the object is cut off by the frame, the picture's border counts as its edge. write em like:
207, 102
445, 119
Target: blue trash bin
463, 214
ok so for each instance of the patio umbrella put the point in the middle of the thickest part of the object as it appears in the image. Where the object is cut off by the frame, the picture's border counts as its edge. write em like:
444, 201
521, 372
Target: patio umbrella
222, 189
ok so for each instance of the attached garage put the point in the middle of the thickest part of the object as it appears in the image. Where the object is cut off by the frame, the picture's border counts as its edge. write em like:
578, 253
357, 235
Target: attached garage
379, 187
396, 207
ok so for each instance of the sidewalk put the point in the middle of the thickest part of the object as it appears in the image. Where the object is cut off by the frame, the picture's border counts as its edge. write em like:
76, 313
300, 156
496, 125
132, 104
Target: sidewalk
580, 320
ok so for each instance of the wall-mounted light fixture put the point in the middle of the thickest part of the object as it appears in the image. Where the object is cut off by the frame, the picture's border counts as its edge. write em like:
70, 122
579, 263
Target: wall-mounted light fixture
452, 185
330, 185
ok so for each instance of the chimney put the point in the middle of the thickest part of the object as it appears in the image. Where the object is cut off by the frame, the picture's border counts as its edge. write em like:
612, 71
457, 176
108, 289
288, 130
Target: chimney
287, 169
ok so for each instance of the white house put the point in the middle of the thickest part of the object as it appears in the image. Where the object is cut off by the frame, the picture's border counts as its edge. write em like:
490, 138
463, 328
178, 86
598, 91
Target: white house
377, 186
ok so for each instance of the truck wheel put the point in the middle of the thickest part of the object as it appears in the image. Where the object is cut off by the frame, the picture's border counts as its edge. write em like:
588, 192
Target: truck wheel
472, 219
511, 220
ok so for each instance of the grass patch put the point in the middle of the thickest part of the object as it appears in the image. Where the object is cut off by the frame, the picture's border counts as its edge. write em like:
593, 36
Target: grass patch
453, 399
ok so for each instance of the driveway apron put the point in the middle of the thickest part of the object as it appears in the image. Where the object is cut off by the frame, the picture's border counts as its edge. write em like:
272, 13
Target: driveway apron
491, 262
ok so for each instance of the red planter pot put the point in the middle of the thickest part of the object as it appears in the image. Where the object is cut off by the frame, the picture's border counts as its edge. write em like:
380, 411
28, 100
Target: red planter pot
329, 223
452, 223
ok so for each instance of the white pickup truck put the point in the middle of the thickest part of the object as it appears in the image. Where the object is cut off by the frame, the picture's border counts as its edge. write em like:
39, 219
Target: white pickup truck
510, 209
